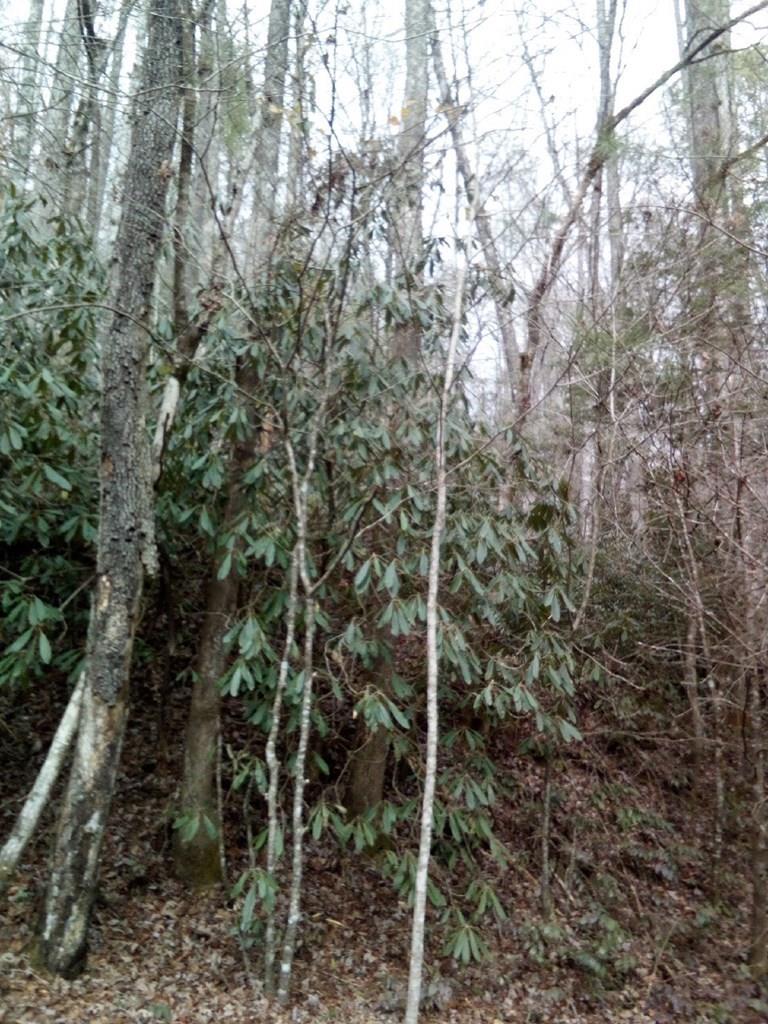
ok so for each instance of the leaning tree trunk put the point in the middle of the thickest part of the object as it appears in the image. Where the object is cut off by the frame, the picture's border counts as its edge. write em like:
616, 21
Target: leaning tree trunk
126, 539
29, 815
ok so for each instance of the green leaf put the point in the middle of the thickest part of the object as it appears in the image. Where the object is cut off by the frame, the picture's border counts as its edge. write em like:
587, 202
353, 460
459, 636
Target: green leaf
568, 731
56, 478
44, 648
400, 717
187, 826
246, 914
391, 581
20, 642
363, 577
436, 897
206, 524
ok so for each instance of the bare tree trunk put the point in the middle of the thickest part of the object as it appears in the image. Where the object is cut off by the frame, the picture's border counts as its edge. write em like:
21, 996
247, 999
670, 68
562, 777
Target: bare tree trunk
368, 766
196, 847
103, 142
546, 830
208, 144
416, 963
758, 939
29, 98
502, 287
56, 123
691, 683
266, 187
298, 143
409, 243
126, 535
713, 687
300, 486
298, 827
273, 767
85, 134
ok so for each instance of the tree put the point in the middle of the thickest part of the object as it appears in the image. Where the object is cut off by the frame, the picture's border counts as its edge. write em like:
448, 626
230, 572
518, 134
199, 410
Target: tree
196, 844
368, 763
125, 547
433, 652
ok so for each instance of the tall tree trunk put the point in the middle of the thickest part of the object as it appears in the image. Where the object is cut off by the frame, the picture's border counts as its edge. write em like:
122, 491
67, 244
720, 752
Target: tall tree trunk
409, 242
711, 143
126, 536
266, 184
758, 938
196, 849
421, 881
368, 763
211, 86
196, 858
56, 122
691, 682
28, 100
502, 288
85, 136
103, 142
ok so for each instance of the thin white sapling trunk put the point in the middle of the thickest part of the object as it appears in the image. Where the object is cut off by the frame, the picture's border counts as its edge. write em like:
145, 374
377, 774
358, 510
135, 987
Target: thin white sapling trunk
29, 815
433, 655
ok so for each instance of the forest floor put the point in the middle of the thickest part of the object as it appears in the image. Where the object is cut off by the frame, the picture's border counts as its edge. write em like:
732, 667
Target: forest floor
641, 932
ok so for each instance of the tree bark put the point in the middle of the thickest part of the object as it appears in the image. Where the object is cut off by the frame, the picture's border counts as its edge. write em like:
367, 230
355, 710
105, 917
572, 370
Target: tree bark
758, 938
368, 766
103, 143
691, 682
126, 536
266, 185
196, 858
28, 101
79, 164
409, 242
502, 288
368, 762
196, 855
273, 767
56, 122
